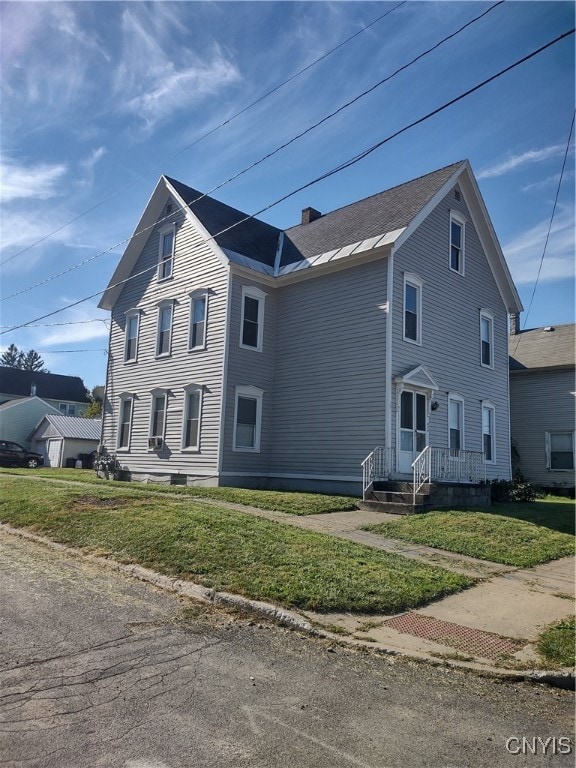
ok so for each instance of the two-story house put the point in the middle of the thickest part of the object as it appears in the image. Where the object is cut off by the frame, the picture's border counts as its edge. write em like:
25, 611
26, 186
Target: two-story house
244, 355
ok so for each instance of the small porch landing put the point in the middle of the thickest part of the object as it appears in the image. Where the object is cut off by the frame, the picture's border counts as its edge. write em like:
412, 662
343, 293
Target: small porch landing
398, 498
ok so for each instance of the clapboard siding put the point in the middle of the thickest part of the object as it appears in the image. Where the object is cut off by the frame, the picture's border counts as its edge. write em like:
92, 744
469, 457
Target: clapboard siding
247, 367
450, 349
19, 419
329, 376
195, 266
540, 402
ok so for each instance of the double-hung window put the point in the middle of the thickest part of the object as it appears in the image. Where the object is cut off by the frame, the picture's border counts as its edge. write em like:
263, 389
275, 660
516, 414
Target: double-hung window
488, 442
192, 417
455, 422
247, 419
166, 253
457, 232
252, 319
486, 339
131, 339
67, 409
158, 413
560, 451
164, 335
125, 421
412, 309
198, 319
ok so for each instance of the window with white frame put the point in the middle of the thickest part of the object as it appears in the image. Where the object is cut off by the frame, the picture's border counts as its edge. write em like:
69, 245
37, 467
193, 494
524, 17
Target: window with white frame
412, 309
166, 253
164, 335
125, 421
198, 320
247, 419
455, 422
158, 413
67, 409
131, 337
560, 451
457, 229
192, 417
252, 320
488, 434
486, 339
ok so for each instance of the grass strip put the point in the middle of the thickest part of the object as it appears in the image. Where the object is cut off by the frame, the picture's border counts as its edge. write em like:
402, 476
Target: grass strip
557, 643
487, 536
225, 550
291, 502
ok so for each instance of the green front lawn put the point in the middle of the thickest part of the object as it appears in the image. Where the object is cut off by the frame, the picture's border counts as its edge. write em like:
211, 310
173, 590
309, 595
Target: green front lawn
278, 501
514, 534
557, 643
223, 549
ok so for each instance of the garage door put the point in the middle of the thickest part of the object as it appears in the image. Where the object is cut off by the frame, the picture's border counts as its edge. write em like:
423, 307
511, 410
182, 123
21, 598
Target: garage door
54, 451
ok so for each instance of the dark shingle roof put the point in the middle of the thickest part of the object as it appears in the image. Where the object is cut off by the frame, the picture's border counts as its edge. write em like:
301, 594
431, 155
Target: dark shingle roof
49, 386
539, 348
252, 238
384, 212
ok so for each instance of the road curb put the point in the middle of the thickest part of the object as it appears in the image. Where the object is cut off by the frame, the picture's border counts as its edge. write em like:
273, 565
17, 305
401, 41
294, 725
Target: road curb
563, 678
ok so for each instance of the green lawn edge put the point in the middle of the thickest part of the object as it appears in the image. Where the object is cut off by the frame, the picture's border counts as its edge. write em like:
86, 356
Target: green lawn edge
557, 643
226, 550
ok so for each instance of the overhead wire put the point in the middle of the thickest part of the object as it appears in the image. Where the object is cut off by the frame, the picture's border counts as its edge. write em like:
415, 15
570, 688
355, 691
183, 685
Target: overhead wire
208, 133
262, 159
347, 164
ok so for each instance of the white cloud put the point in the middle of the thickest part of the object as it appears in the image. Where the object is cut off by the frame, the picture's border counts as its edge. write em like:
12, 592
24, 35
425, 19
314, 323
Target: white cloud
516, 161
524, 252
73, 334
38, 182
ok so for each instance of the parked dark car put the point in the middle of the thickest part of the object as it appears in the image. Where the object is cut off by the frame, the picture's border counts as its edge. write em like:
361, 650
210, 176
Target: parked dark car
13, 455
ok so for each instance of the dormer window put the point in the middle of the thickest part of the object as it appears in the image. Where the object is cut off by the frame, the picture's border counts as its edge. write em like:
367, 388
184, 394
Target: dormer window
166, 253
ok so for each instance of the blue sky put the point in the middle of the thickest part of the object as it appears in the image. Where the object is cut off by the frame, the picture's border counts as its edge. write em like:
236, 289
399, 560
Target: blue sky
97, 95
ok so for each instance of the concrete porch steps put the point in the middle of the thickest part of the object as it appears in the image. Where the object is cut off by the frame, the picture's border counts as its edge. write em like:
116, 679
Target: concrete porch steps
396, 497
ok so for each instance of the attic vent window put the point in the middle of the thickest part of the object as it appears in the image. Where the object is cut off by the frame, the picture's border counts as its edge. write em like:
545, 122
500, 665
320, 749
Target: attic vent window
169, 208
457, 194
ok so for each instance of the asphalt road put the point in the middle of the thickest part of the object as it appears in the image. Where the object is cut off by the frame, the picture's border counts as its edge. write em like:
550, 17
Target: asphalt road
98, 670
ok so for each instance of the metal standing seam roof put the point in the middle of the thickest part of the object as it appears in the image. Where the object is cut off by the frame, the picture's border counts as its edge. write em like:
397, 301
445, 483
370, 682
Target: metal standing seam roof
541, 348
75, 427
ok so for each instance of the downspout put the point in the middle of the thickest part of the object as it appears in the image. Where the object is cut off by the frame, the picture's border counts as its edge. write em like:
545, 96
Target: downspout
224, 376
388, 359
106, 387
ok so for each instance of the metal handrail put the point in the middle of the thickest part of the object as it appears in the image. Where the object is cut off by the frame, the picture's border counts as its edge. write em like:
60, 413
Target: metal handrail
448, 465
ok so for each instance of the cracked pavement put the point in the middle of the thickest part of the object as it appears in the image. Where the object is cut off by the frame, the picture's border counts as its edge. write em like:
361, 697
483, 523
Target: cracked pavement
101, 671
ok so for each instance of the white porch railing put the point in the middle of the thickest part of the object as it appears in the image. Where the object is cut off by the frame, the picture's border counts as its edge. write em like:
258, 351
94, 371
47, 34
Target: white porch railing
445, 465
378, 465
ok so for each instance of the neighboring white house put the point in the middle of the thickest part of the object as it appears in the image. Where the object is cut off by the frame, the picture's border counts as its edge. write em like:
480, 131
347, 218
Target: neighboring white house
542, 404
63, 440
241, 354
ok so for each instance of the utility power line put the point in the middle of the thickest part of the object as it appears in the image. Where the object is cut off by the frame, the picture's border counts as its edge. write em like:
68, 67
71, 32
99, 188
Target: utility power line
265, 157
208, 133
347, 164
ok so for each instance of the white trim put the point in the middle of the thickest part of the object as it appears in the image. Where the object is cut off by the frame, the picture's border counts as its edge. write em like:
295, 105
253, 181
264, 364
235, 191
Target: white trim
157, 393
457, 217
166, 230
130, 315
486, 314
548, 447
224, 383
124, 397
200, 293
410, 378
489, 405
458, 399
249, 393
289, 476
163, 305
192, 389
415, 282
250, 291
388, 352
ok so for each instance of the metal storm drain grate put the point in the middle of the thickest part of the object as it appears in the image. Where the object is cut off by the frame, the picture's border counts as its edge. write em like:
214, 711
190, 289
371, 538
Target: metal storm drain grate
471, 641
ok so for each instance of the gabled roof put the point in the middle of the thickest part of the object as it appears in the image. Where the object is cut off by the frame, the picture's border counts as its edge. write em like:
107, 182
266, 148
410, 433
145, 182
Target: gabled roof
385, 219
539, 348
49, 386
74, 427
24, 401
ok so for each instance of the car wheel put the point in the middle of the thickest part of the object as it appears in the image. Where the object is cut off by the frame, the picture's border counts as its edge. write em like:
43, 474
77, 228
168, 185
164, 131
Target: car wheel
32, 463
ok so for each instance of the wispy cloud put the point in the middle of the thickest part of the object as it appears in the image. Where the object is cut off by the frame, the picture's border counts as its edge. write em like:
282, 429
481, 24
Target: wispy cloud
82, 331
38, 182
517, 161
524, 252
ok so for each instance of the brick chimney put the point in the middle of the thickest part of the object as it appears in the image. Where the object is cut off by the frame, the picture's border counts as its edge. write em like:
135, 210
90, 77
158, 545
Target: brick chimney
514, 323
310, 214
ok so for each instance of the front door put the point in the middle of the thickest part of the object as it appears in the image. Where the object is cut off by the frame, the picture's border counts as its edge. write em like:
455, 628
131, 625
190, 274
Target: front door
412, 437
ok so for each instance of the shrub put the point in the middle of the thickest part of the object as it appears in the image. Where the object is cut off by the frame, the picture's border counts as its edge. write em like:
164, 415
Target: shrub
513, 490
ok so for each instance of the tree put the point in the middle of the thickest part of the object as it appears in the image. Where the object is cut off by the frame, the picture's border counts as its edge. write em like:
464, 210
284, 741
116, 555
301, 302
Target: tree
26, 361
94, 410
12, 357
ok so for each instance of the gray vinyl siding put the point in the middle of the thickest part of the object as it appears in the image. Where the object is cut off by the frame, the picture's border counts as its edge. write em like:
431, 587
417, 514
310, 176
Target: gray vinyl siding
329, 377
17, 422
249, 368
450, 349
79, 408
540, 402
195, 267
